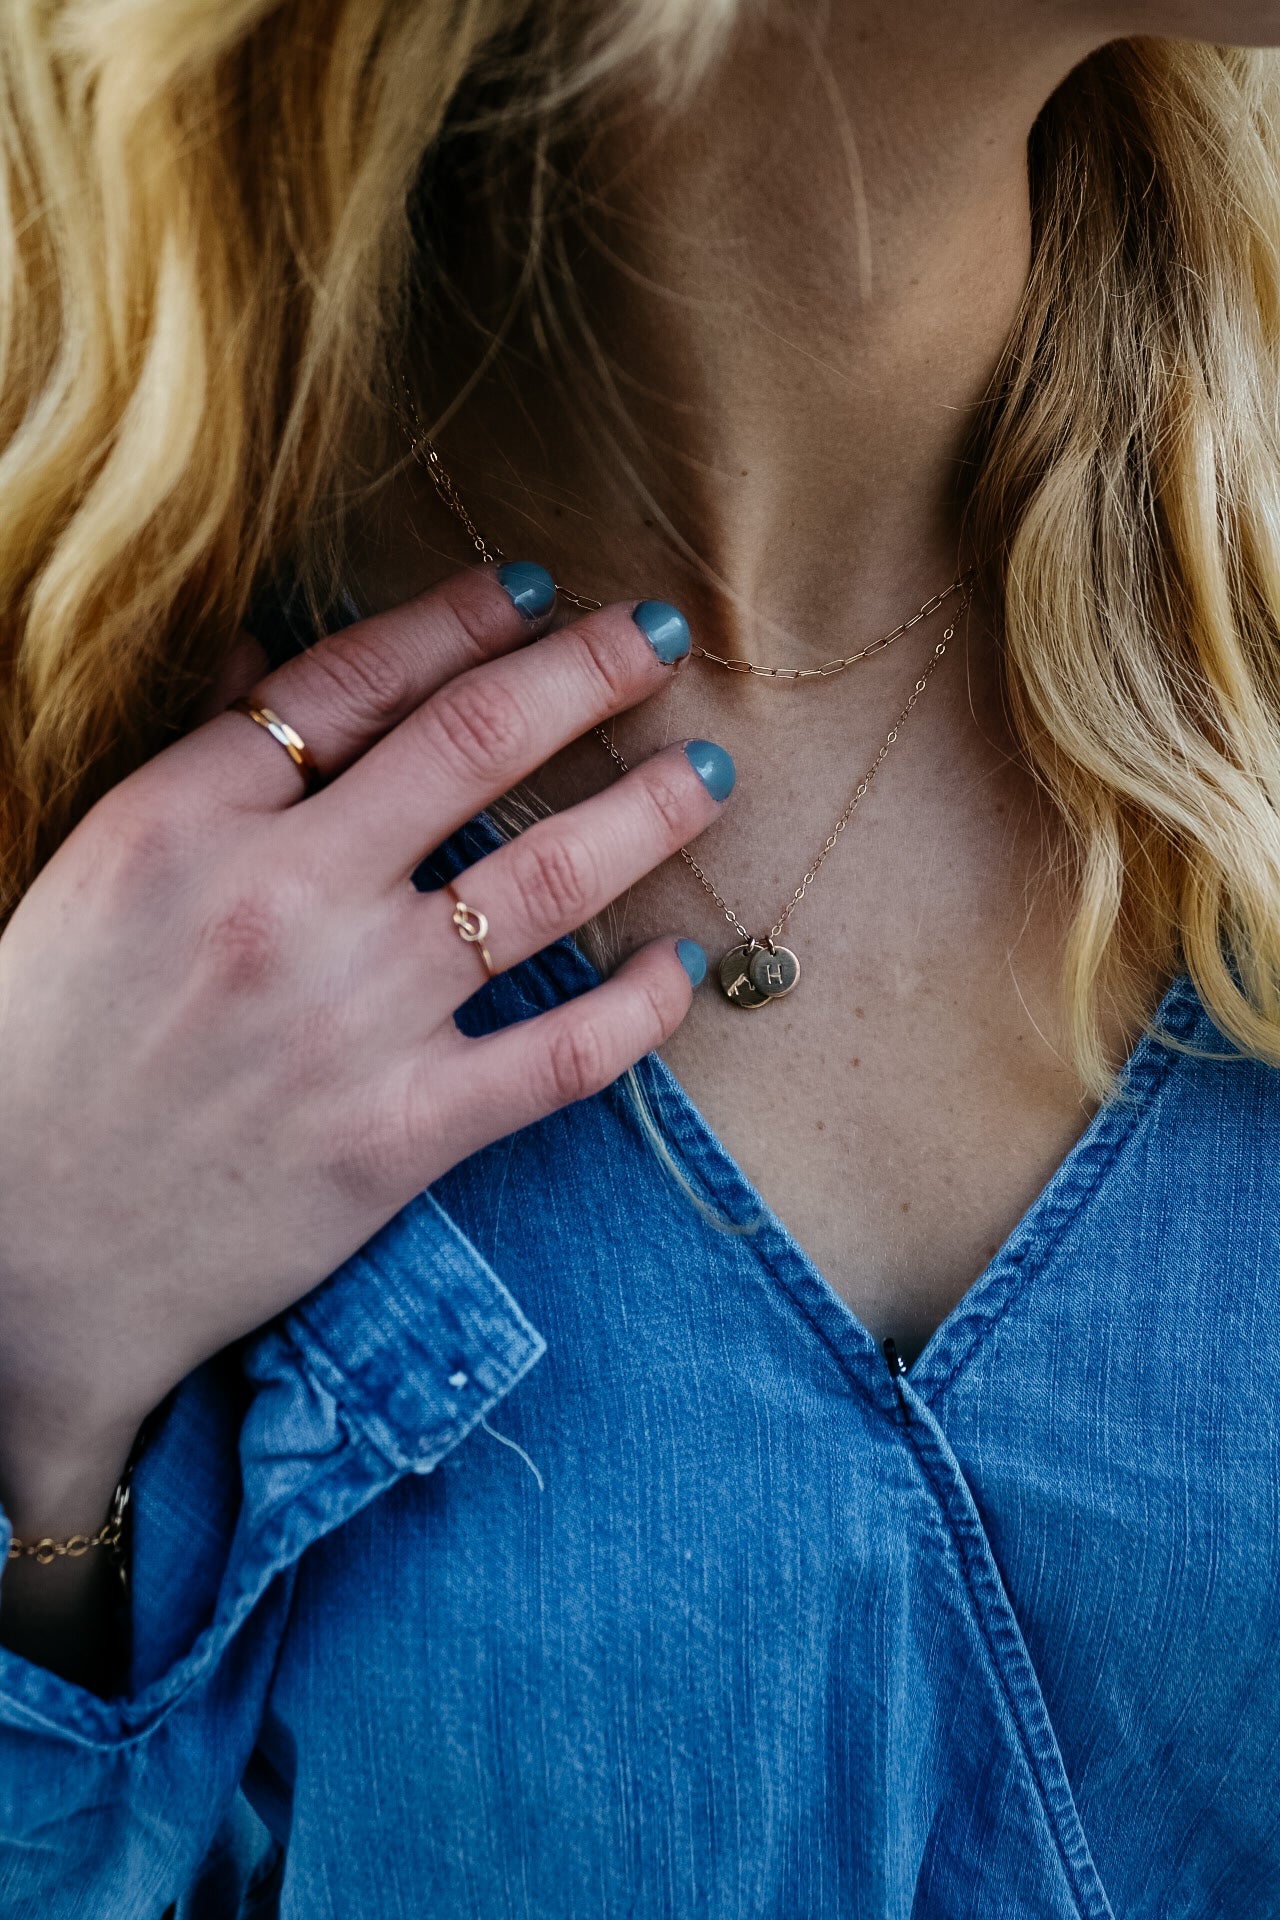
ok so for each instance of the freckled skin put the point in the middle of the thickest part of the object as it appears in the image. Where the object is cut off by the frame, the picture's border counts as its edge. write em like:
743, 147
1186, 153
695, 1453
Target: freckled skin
825, 502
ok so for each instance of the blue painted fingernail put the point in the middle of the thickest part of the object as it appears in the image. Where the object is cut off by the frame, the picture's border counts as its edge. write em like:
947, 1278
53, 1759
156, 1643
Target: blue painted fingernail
713, 766
693, 960
530, 588
665, 628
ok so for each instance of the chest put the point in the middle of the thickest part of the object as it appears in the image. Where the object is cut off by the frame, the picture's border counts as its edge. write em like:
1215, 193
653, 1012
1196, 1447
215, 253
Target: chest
903, 1105
749, 1628
903, 1118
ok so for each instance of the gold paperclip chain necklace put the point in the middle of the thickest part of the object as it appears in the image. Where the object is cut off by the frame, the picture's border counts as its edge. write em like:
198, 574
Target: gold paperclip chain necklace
426, 455
756, 970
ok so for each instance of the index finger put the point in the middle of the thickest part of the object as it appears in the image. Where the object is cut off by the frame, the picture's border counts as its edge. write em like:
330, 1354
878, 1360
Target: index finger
344, 693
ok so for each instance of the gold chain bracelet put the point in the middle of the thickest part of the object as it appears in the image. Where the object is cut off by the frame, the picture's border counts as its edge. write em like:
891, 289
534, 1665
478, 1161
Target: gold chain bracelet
109, 1535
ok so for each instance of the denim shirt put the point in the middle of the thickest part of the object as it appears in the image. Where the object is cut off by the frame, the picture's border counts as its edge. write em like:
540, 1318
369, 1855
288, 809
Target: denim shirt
572, 1552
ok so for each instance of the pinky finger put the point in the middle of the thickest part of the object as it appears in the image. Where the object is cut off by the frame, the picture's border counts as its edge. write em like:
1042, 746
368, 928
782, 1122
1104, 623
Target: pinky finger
527, 1071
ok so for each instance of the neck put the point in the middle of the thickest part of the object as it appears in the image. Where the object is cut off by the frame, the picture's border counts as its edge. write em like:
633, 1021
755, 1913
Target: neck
799, 287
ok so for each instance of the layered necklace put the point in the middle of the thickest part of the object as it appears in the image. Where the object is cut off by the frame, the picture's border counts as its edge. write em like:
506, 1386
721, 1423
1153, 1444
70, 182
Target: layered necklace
758, 968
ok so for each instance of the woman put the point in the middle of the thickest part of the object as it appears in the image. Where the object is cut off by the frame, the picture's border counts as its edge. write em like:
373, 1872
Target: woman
524, 1520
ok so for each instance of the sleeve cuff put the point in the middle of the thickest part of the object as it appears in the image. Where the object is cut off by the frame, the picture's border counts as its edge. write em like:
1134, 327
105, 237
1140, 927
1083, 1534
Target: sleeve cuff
403, 1351
379, 1372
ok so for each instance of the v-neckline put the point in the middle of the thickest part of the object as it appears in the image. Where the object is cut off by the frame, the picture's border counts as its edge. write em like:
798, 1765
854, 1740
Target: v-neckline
563, 970
1025, 1251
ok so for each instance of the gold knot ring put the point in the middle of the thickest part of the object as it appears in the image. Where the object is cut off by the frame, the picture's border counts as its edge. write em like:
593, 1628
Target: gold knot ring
473, 927
290, 739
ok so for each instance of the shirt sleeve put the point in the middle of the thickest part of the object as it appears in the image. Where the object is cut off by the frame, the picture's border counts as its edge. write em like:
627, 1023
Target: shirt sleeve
108, 1807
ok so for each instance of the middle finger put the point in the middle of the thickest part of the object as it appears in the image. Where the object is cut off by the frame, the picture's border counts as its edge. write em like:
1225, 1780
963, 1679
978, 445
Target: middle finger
476, 738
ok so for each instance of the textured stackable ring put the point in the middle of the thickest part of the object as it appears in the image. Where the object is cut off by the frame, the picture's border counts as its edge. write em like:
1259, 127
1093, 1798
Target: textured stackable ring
473, 927
290, 739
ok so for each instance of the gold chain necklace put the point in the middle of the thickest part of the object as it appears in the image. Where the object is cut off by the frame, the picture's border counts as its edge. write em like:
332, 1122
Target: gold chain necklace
756, 969
426, 455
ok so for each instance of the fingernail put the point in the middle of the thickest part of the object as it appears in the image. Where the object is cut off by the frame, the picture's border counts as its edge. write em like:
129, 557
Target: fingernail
693, 960
713, 766
665, 628
530, 588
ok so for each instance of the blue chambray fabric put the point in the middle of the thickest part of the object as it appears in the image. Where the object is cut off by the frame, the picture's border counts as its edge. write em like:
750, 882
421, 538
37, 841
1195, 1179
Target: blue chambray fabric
744, 1626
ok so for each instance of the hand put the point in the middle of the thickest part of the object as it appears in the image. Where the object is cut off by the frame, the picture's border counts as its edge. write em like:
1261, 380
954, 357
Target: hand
226, 1016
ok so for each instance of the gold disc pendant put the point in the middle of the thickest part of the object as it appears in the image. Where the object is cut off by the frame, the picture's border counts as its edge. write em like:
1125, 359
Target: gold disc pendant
751, 975
735, 978
774, 971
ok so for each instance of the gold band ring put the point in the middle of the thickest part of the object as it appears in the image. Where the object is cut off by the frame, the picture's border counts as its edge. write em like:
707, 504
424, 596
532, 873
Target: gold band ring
292, 741
473, 927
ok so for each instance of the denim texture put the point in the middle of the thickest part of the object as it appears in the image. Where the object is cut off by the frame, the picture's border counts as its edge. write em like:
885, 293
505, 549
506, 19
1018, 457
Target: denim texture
744, 1626
565, 1556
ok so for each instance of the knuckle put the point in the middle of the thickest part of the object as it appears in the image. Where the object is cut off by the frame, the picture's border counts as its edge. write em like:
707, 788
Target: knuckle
137, 847
366, 676
365, 1157
610, 666
480, 724
577, 1063
459, 616
241, 944
662, 1011
554, 881
395, 1139
668, 799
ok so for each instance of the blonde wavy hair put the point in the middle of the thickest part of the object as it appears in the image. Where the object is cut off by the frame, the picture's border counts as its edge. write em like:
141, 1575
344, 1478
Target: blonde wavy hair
208, 249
